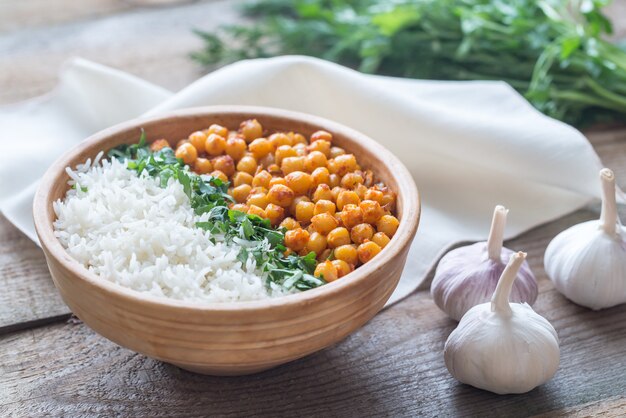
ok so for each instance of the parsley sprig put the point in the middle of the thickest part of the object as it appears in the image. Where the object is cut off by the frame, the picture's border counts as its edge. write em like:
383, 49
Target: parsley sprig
209, 195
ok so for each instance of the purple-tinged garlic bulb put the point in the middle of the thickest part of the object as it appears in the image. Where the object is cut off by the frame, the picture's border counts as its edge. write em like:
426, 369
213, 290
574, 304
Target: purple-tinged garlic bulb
503, 347
467, 276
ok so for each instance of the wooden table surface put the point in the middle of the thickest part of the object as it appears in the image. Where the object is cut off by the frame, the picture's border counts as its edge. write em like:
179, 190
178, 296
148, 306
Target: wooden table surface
393, 366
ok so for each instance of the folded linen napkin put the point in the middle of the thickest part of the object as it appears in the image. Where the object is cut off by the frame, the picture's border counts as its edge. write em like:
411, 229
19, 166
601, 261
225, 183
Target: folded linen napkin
469, 145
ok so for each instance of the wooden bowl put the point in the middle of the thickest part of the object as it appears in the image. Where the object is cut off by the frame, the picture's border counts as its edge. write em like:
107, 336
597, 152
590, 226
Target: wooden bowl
233, 338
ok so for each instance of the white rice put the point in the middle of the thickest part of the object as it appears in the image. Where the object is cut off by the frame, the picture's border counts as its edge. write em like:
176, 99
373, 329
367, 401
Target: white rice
128, 230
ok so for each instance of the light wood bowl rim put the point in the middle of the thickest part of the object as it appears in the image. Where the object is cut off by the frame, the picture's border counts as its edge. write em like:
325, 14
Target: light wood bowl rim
407, 193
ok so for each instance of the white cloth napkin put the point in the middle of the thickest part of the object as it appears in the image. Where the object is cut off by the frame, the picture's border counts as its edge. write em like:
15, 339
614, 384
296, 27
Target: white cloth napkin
469, 145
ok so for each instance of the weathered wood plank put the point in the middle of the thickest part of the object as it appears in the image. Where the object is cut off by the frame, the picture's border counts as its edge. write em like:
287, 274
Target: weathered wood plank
33, 13
391, 367
124, 40
29, 296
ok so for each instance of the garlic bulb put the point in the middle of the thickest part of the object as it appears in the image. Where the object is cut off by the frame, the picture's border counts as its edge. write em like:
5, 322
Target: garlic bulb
503, 347
587, 262
468, 275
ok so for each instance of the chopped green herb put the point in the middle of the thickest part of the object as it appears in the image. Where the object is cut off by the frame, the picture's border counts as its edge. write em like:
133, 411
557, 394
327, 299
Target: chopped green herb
209, 195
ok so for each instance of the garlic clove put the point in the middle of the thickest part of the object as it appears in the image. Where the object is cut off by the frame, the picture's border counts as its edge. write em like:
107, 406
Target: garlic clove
503, 347
587, 262
468, 275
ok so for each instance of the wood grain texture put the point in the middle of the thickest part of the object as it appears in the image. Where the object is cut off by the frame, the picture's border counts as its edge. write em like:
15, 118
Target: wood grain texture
391, 367
123, 40
32, 298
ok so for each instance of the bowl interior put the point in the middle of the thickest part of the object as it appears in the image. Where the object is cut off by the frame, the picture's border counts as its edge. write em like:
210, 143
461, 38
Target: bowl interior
177, 125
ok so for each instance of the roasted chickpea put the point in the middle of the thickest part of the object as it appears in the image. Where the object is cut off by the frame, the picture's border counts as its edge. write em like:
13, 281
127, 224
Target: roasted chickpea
187, 153
371, 211
240, 207
326, 271
320, 175
241, 177
262, 178
280, 138
342, 165
321, 135
322, 192
215, 145
389, 200
251, 129
373, 194
277, 180
198, 139
360, 190
317, 243
181, 142
388, 224
351, 215
219, 174
289, 224
217, 130
381, 239
280, 195
247, 164
321, 146
361, 233
336, 152
236, 148
282, 152
367, 251
298, 138
159, 144
258, 199
315, 159
337, 216
296, 239
274, 213
296, 200
255, 210
338, 237
347, 253
291, 164
202, 166
334, 180
260, 147
274, 169
351, 180
347, 197
300, 149
299, 182
241, 193
258, 189
342, 267
335, 192
324, 223
324, 206
304, 211
225, 164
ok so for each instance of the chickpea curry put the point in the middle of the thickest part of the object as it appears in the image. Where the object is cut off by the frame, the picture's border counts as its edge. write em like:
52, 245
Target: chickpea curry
325, 206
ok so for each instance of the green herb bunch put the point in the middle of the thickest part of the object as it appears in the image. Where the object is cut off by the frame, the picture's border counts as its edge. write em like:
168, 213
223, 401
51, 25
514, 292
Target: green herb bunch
551, 51
209, 195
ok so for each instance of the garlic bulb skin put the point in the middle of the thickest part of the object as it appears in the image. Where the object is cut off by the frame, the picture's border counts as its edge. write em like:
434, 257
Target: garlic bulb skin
503, 347
587, 262
467, 276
